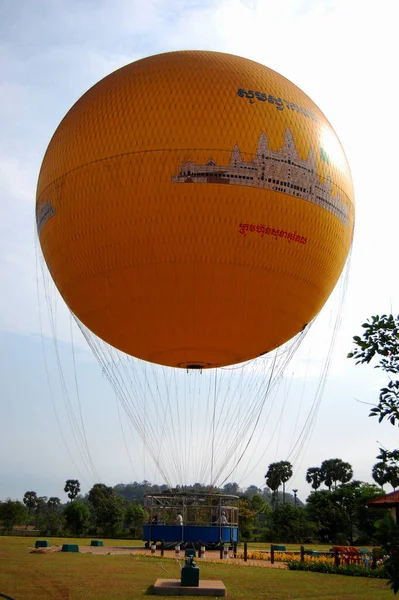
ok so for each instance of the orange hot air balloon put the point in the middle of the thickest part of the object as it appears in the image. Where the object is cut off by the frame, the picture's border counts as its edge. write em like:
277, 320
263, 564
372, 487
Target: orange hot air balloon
195, 209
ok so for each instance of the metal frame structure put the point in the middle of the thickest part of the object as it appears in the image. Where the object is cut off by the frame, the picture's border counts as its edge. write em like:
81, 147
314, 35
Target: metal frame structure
203, 519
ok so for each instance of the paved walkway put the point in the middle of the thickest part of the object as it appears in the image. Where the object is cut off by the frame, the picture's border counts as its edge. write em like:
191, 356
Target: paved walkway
211, 556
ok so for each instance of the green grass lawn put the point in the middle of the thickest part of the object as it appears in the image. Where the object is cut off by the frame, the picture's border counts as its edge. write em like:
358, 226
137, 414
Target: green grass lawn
75, 576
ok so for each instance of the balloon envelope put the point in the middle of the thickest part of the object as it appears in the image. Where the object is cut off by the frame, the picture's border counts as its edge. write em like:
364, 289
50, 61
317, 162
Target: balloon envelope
195, 209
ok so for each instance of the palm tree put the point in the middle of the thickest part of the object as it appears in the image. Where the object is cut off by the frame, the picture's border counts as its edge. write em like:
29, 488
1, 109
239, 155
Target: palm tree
388, 466
393, 476
335, 469
314, 476
379, 474
54, 503
286, 474
30, 500
273, 479
278, 473
72, 487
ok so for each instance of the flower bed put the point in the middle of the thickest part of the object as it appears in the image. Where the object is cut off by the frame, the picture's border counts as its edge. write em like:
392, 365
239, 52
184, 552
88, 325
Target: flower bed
285, 556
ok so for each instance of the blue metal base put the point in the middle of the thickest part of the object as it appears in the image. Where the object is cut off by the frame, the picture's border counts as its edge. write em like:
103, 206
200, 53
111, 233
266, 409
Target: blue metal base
190, 533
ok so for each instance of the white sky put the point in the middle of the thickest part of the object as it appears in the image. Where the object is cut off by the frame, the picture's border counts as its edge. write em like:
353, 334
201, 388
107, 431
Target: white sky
343, 54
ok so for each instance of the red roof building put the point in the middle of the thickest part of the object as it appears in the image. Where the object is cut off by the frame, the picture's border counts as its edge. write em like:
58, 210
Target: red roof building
388, 501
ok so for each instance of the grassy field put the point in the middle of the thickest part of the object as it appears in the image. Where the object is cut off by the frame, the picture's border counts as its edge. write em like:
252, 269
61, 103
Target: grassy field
76, 576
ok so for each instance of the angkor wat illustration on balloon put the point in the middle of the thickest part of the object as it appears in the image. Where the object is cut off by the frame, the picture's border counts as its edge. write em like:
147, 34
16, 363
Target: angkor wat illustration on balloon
281, 171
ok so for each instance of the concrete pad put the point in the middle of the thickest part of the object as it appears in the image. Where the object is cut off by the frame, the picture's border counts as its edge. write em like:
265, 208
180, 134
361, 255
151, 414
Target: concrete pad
173, 587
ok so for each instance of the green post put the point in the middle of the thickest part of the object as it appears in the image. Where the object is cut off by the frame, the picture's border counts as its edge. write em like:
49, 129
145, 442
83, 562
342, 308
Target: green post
272, 554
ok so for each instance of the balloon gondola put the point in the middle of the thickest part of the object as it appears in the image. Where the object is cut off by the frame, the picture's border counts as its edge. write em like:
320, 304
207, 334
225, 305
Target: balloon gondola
207, 519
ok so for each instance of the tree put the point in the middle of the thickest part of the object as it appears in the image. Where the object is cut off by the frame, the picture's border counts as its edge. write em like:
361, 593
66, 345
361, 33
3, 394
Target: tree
252, 491
285, 474
314, 476
380, 340
335, 469
390, 463
231, 488
343, 513
353, 498
365, 516
54, 503
30, 501
379, 474
273, 479
108, 509
289, 524
330, 517
41, 514
278, 473
47, 518
54, 519
262, 511
72, 488
134, 517
12, 512
246, 516
76, 516
387, 534
393, 476
135, 492
267, 495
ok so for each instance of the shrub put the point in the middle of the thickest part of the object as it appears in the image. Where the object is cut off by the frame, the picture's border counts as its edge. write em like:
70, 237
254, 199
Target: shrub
325, 567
